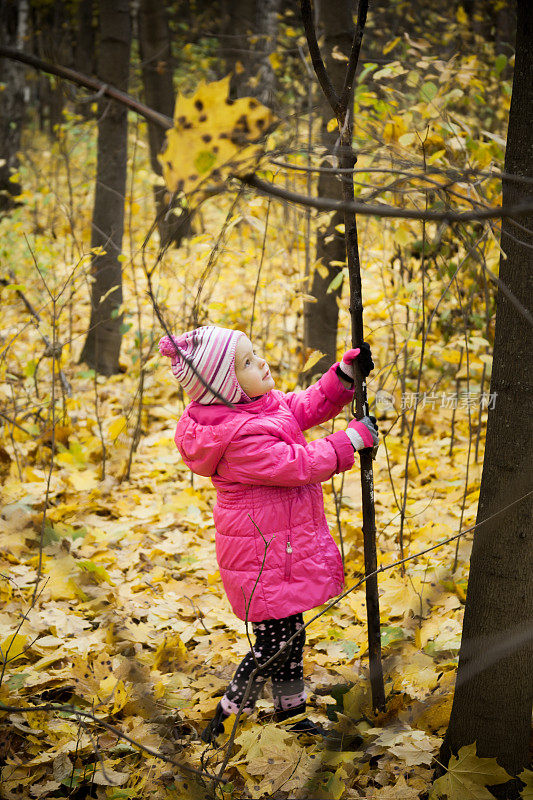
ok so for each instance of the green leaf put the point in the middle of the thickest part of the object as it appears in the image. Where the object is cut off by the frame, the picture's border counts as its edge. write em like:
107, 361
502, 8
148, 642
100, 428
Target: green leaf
350, 648
77, 777
50, 534
336, 282
29, 368
367, 69
500, 63
389, 634
428, 91
16, 681
16, 287
99, 572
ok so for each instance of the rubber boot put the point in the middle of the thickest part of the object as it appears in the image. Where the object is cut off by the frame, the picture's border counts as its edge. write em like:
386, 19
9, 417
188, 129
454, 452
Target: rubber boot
214, 727
303, 725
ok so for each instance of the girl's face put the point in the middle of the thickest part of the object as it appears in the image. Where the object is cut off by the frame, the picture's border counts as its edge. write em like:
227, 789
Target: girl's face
252, 371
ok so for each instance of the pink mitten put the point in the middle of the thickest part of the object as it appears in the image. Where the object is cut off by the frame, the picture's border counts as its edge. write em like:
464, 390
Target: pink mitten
346, 365
363, 433
364, 361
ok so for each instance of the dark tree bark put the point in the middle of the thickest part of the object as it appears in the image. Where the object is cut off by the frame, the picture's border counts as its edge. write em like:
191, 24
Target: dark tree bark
13, 29
249, 33
493, 21
102, 346
335, 18
84, 48
494, 689
157, 70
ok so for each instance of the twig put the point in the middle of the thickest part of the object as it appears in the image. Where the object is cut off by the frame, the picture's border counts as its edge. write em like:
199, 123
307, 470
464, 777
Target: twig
15, 424
247, 604
260, 268
419, 376
316, 58
213, 256
457, 387
336, 600
78, 712
467, 354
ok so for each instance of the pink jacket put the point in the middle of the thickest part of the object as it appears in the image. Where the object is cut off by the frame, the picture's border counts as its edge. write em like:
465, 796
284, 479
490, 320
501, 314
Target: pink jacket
268, 480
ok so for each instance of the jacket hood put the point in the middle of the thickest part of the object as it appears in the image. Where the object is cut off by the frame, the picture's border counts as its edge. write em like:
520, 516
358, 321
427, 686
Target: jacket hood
204, 431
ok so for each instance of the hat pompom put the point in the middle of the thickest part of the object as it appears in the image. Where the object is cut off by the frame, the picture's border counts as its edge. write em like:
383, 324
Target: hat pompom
168, 347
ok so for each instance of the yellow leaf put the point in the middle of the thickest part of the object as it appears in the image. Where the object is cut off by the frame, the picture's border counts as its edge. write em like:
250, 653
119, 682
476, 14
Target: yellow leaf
526, 776
321, 269
402, 234
313, 359
170, 652
60, 583
468, 775
113, 693
84, 480
332, 125
390, 45
12, 647
462, 18
117, 427
275, 60
104, 775
407, 139
400, 791
212, 137
435, 156
335, 786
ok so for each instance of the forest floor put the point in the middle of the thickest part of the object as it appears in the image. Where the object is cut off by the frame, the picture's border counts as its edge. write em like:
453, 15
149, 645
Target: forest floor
131, 623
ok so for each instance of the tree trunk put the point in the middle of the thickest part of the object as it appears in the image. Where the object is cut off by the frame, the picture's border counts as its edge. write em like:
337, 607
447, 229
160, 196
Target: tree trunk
494, 688
54, 34
321, 318
13, 29
102, 346
84, 48
157, 70
249, 34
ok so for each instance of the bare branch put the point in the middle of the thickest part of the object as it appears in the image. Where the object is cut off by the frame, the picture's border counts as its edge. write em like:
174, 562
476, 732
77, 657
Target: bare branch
90, 83
328, 204
354, 55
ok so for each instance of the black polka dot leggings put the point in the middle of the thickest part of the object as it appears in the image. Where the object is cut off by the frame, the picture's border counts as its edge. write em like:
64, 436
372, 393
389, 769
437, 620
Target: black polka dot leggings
286, 672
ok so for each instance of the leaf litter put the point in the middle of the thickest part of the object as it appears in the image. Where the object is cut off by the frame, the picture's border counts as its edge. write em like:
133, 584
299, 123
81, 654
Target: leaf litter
130, 621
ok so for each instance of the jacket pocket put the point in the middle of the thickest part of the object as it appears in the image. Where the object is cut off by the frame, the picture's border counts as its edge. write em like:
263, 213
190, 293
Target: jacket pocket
288, 560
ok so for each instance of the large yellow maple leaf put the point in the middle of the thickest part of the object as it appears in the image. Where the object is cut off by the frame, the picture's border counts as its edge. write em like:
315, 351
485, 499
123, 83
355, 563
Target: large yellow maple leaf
212, 137
468, 776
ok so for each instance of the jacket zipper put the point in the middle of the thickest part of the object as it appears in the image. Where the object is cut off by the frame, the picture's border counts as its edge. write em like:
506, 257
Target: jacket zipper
288, 560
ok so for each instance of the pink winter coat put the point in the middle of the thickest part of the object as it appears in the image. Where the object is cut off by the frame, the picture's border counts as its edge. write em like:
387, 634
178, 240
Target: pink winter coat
268, 480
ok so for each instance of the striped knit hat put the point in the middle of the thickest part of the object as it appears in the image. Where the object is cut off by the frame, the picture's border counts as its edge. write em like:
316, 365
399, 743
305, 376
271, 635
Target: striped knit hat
211, 351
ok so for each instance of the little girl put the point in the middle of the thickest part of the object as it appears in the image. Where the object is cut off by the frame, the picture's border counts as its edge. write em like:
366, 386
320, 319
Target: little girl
267, 478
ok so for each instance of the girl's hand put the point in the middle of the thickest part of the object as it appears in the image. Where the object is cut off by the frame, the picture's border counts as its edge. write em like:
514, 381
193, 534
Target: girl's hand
364, 362
363, 433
